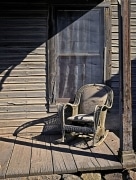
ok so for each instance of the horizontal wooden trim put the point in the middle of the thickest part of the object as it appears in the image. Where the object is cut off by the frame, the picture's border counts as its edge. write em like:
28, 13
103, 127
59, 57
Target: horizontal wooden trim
19, 122
24, 73
22, 94
22, 67
33, 129
115, 14
24, 80
115, 29
22, 101
114, 21
37, 129
80, 3
23, 13
21, 63
22, 108
27, 58
115, 56
24, 21
33, 87
53, 108
23, 115
62, 100
78, 54
15, 2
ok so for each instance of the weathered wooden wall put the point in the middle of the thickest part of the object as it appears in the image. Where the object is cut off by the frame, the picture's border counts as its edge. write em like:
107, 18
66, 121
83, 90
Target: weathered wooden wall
23, 35
23, 71
113, 116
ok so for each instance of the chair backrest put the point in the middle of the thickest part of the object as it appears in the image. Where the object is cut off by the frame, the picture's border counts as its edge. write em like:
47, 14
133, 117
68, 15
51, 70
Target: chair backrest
90, 95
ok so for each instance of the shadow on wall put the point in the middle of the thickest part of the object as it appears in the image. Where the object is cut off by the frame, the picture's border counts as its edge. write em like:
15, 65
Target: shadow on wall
114, 112
133, 90
23, 38
133, 79
114, 81
23, 28
21, 32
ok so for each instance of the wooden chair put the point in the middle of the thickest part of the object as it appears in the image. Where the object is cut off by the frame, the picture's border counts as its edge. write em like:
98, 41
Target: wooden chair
88, 112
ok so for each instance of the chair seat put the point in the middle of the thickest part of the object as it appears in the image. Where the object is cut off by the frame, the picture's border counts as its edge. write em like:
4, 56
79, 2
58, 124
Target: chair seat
79, 129
82, 118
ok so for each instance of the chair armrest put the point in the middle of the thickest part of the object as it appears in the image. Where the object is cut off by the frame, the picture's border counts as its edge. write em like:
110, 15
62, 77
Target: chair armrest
100, 116
110, 99
74, 108
61, 111
106, 107
97, 112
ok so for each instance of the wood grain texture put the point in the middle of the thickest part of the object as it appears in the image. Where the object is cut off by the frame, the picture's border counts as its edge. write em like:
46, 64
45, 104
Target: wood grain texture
62, 158
41, 159
23, 45
23, 36
59, 165
20, 159
6, 149
115, 50
84, 159
41, 155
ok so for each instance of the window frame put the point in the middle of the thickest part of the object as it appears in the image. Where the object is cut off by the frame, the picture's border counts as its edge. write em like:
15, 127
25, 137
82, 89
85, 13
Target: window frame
52, 104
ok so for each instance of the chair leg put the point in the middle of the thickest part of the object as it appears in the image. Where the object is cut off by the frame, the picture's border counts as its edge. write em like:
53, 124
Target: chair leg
100, 136
63, 135
100, 133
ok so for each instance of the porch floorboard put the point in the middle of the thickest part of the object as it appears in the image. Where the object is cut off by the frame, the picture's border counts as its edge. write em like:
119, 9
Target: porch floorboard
40, 155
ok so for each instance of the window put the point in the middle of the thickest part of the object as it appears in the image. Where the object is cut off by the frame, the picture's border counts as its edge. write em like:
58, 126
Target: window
76, 51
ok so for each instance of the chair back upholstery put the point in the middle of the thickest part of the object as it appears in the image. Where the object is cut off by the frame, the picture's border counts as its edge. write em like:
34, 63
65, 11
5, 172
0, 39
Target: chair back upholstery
90, 95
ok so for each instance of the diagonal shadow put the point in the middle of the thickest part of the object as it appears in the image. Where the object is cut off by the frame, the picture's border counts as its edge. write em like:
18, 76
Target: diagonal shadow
23, 28
20, 35
53, 119
78, 151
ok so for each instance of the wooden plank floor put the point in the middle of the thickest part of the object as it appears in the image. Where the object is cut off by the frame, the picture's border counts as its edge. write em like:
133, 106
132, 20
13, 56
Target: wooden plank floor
41, 155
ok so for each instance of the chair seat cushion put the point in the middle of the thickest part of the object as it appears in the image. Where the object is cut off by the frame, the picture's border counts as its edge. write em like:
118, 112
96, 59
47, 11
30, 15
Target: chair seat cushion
82, 117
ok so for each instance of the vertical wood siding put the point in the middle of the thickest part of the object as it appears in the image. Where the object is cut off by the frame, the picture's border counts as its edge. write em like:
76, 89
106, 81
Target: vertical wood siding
23, 36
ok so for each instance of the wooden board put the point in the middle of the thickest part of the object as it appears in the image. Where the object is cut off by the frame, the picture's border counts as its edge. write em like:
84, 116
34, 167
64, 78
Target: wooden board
6, 148
42, 155
24, 87
20, 159
22, 101
84, 159
22, 94
100, 153
23, 37
24, 80
41, 159
112, 141
112, 152
106, 154
26, 131
63, 161
23, 115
